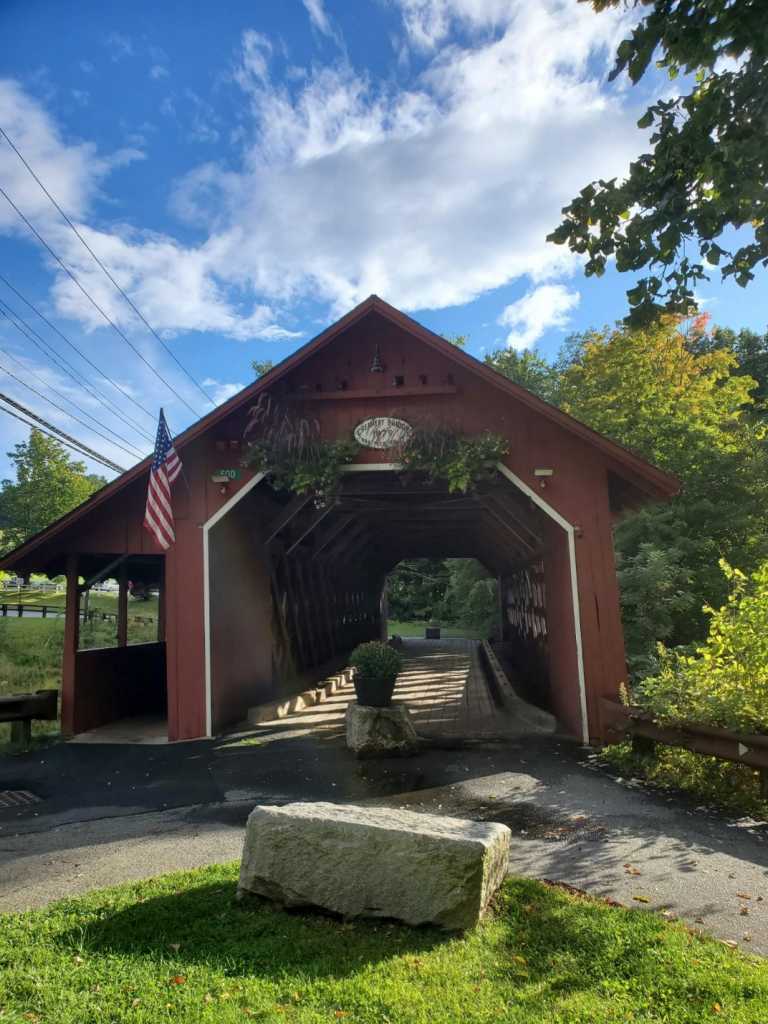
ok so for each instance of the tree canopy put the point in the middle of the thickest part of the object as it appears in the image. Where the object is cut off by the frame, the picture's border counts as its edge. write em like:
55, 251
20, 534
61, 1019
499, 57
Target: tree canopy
48, 484
707, 170
679, 395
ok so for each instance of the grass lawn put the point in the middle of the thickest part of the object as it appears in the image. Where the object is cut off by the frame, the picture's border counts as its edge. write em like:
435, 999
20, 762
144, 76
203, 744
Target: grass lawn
180, 949
417, 629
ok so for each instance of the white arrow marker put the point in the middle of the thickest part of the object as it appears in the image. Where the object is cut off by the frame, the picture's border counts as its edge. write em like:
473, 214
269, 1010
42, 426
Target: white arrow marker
742, 750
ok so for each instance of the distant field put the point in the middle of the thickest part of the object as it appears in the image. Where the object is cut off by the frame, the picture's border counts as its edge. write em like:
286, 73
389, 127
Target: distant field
395, 628
97, 600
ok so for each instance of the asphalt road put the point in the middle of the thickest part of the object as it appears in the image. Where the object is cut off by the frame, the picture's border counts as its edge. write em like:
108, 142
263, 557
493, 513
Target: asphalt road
113, 813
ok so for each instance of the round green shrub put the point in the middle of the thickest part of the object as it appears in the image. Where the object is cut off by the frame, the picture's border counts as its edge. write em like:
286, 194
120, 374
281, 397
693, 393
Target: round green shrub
376, 660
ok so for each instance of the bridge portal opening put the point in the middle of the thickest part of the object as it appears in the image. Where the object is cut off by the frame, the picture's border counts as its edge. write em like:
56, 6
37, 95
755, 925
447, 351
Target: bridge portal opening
295, 582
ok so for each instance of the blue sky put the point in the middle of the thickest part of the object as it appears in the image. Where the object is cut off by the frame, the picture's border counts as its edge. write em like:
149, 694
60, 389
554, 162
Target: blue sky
248, 171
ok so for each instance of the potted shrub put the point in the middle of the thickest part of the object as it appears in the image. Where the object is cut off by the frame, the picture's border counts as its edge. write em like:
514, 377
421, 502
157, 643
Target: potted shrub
376, 666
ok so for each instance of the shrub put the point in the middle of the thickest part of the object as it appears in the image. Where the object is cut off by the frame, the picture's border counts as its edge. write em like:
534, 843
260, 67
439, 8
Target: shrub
725, 681
376, 666
376, 660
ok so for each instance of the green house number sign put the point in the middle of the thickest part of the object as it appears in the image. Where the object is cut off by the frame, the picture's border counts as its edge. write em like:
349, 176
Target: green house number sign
230, 474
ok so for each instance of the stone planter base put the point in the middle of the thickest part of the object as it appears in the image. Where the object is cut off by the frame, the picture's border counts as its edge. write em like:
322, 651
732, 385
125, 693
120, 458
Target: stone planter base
380, 732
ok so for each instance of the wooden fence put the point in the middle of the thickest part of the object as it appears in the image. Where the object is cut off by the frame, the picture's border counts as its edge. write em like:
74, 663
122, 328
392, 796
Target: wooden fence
750, 749
46, 611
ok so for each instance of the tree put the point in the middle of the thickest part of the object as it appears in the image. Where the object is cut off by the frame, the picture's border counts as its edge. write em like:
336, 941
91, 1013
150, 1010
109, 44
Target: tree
261, 367
683, 404
707, 169
48, 484
528, 369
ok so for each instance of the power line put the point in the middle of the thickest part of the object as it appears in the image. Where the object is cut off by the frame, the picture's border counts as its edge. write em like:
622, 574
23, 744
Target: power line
132, 450
80, 383
48, 428
127, 298
93, 301
50, 401
79, 351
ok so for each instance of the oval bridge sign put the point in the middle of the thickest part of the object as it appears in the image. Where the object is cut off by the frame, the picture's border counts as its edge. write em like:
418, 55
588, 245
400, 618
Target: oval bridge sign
382, 432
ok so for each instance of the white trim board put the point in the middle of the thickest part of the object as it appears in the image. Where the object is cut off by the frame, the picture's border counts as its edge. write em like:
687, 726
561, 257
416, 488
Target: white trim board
225, 508
568, 527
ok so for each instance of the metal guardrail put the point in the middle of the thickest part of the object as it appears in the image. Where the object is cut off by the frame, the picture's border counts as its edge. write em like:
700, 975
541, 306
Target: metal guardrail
750, 749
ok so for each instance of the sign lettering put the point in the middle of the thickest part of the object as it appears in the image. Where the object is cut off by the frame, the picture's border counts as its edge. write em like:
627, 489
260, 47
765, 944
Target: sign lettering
382, 432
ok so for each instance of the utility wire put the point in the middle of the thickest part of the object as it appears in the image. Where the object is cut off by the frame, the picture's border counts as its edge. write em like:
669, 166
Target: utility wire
28, 333
50, 401
127, 298
79, 351
130, 450
93, 301
58, 435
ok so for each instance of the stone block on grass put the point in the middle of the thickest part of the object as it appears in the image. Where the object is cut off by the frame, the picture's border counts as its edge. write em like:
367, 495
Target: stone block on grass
376, 862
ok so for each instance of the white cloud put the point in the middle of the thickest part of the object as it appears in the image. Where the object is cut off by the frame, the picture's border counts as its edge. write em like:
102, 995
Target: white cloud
221, 391
71, 171
318, 16
539, 310
119, 46
158, 71
429, 195
87, 66
428, 22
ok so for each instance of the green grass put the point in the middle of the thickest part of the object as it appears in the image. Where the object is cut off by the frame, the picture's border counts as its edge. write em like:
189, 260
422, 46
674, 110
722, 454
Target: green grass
180, 949
417, 629
97, 601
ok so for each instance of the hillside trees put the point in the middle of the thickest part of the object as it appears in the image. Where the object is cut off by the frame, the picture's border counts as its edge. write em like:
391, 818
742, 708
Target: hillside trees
682, 400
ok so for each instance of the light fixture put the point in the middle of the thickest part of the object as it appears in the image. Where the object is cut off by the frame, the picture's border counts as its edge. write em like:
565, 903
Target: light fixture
376, 365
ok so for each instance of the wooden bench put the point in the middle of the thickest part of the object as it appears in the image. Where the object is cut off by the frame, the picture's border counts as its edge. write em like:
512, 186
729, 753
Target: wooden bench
20, 708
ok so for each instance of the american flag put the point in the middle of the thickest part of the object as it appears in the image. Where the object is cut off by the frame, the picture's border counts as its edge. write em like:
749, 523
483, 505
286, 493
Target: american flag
166, 466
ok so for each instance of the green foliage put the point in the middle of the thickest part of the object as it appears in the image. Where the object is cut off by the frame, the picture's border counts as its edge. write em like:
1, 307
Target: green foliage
461, 462
683, 404
416, 588
261, 366
734, 788
292, 452
471, 597
180, 948
725, 681
48, 485
655, 596
529, 370
376, 661
459, 340
315, 469
706, 170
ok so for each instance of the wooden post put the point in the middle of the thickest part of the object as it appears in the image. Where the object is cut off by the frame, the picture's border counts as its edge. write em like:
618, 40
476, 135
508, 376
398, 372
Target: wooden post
122, 606
161, 603
69, 658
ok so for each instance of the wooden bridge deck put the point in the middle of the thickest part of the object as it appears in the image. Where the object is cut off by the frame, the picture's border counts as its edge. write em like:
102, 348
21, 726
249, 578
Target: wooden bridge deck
441, 681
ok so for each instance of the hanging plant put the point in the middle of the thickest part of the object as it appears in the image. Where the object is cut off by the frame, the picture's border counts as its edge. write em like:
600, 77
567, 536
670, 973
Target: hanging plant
289, 449
461, 462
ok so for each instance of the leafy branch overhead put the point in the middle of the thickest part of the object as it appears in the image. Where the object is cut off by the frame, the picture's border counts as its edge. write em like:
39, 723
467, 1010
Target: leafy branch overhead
707, 170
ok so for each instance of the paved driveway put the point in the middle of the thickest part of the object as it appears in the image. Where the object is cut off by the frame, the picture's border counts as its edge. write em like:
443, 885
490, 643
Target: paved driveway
111, 813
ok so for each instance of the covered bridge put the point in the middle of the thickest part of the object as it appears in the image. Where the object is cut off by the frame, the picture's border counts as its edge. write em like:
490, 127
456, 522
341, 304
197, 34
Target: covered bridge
262, 588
